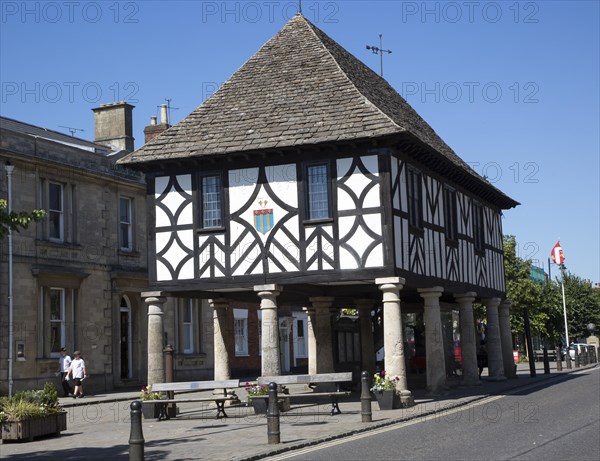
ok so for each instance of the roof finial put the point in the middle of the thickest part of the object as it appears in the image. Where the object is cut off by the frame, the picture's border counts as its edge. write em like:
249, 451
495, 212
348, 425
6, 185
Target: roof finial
299, 6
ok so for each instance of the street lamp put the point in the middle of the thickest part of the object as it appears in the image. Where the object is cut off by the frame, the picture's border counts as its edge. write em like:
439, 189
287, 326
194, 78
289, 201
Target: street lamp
591, 327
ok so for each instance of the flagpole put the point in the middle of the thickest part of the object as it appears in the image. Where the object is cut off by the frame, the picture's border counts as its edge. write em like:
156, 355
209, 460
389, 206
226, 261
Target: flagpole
562, 284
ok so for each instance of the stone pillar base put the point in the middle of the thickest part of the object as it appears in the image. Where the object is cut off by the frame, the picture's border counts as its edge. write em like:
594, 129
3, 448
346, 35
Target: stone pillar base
406, 399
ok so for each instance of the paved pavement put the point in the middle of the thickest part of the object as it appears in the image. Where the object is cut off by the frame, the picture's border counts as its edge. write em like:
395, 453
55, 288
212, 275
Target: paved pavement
99, 425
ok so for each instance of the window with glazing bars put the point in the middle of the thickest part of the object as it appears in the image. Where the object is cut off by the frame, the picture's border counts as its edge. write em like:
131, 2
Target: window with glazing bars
317, 193
212, 207
478, 232
56, 218
125, 233
415, 200
450, 214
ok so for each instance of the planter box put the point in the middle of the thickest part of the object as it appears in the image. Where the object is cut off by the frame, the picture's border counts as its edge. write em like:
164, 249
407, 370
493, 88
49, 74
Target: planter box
385, 399
28, 429
150, 410
260, 405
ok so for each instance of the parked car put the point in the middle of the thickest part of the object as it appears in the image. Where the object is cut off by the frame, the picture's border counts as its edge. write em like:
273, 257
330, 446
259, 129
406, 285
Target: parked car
581, 347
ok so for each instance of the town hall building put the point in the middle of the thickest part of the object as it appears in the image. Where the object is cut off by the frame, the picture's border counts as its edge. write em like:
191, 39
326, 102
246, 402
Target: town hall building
307, 181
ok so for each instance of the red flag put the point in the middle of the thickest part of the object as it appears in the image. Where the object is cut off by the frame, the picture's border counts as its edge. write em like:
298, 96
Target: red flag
557, 254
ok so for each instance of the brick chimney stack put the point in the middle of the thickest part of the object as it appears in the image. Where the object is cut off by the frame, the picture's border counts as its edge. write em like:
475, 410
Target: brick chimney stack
153, 130
113, 125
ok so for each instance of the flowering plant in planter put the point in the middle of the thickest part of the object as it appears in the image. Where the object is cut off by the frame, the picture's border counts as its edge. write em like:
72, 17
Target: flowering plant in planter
148, 394
383, 382
256, 389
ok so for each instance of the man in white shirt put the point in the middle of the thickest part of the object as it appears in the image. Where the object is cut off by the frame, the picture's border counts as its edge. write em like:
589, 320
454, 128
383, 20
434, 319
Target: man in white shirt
64, 363
78, 373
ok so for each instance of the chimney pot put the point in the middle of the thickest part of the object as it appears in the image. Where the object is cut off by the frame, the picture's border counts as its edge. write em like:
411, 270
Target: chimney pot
164, 118
153, 120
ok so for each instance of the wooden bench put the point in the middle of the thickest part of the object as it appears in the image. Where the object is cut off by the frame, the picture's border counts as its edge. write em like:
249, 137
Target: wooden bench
191, 387
310, 380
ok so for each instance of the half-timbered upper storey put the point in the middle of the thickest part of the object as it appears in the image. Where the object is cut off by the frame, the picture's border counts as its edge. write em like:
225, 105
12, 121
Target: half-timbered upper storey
307, 169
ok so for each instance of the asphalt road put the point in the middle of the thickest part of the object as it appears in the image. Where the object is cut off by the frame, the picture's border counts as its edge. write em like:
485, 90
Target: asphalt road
552, 421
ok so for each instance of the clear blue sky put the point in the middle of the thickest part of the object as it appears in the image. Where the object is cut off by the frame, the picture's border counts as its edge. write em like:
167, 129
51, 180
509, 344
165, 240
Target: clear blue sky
512, 87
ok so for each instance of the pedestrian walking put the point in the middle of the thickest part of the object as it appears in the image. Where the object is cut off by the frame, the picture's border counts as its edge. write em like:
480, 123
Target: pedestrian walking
78, 373
64, 363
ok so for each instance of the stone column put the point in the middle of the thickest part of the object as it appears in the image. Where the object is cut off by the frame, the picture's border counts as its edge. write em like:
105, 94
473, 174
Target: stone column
493, 342
367, 344
468, 339
311, 325
156, 365
271, 364
220, 339
393, 335
506, 339
324, 344
434, 344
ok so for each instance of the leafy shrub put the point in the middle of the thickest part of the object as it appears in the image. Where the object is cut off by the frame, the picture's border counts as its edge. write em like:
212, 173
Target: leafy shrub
30, 404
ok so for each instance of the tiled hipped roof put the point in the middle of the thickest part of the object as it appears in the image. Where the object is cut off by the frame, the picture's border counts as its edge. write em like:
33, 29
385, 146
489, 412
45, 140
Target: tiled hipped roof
301, 88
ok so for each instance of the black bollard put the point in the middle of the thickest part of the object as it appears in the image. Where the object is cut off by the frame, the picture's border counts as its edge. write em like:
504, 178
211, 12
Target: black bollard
558, 359
531, 356
273, 433
136, 437
365, 398
546, 361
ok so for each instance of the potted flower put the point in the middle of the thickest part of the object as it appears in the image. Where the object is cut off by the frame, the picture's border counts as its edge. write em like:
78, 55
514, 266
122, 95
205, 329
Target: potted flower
260, 404
150, 410
384, 388
30, 414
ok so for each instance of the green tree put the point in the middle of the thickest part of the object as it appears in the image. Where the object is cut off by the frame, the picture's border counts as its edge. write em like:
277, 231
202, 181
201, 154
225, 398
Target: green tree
16, 221
583, 305
523, 292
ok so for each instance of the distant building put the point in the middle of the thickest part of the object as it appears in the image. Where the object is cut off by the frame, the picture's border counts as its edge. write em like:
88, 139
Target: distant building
306, 180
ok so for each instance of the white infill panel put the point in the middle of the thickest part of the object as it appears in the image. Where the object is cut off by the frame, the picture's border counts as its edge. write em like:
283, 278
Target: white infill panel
178, 252
352, 249
283, 182
161, 218
284, 252
241, 185
375, 256
245, 253
162, 272
373, 198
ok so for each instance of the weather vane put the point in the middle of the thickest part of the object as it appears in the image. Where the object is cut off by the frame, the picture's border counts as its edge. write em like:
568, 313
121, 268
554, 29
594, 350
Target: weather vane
379, 50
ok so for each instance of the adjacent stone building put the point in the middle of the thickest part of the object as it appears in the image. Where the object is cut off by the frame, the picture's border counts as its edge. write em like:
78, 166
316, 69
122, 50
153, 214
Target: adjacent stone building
307, 180
78, 275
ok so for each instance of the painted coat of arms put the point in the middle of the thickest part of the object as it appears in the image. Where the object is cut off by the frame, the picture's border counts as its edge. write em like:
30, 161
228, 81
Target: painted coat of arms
263, 218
